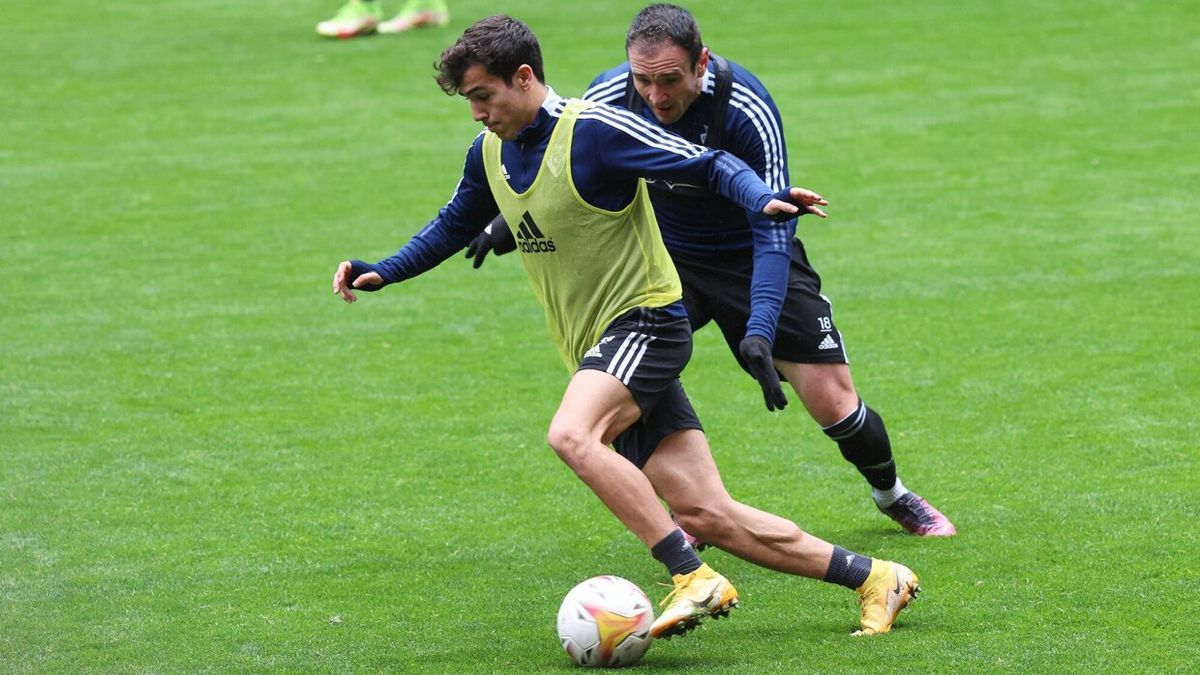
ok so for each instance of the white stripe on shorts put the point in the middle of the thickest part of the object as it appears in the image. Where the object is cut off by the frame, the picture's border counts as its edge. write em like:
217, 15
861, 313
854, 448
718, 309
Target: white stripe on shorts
613, 364
637, 358
629, 356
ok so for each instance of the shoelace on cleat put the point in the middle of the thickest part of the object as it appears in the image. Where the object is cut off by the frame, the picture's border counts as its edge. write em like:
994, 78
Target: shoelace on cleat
677, 590
918, 508
670, 596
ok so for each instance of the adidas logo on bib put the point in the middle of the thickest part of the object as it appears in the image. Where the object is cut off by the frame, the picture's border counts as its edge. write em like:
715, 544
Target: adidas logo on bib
531, 239
828, 343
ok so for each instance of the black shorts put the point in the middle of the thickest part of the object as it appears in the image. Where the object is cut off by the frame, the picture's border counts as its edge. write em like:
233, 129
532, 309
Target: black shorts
718, 289
646, 348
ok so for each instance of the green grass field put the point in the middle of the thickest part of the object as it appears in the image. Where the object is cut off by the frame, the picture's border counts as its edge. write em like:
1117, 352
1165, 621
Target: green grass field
209, 463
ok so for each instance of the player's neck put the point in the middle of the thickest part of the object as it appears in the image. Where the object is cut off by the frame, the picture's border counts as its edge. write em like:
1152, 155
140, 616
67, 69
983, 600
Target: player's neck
534, 99
537, 97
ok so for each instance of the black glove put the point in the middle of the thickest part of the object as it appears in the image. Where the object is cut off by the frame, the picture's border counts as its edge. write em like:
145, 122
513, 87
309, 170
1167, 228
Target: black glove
756, 353
496, 237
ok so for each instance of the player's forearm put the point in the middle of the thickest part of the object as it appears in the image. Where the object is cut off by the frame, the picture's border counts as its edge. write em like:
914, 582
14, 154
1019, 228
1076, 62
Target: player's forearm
733, 179
435, 243
768, 288
464, 216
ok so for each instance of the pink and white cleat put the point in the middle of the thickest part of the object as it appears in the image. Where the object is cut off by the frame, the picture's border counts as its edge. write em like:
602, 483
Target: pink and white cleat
919, 517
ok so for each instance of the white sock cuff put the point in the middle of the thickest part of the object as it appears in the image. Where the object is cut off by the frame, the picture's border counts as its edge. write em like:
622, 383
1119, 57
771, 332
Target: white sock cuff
885, 498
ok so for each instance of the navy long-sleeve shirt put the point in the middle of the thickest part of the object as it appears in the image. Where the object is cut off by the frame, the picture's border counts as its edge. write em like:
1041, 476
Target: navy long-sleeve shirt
612, 149
706, 226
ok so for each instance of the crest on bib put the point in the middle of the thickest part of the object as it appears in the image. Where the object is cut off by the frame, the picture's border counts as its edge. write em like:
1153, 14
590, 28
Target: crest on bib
556, 160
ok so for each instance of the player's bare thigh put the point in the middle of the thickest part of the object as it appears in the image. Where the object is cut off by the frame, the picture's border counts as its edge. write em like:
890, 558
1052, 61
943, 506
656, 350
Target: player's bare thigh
596, 407
826, 389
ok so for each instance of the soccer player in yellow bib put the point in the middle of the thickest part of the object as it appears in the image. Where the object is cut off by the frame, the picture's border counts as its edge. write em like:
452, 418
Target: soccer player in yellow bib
770, 319
568, 176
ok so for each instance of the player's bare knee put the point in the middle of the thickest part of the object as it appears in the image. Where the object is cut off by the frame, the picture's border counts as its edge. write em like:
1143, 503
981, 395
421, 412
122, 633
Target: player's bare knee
568, 442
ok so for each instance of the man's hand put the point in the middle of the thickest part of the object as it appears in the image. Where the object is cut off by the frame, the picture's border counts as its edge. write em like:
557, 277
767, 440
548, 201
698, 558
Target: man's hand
496, 237
756, 353
794, 201
355, 274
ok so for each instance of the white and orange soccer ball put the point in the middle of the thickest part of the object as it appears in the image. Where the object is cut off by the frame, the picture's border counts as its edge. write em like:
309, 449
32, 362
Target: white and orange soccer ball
605, 621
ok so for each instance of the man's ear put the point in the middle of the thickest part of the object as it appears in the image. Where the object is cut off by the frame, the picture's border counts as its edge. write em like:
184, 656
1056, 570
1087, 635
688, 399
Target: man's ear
524, 77
702, 62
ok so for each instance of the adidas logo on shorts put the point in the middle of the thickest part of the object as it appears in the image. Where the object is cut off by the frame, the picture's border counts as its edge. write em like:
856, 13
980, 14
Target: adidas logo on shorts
828, 343
595, 350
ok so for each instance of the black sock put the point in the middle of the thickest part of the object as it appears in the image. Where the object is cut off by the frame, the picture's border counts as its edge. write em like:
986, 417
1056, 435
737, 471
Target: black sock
674, 552
863, 440
847, 568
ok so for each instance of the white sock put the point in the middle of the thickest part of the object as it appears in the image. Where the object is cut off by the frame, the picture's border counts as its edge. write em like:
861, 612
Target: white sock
885, 498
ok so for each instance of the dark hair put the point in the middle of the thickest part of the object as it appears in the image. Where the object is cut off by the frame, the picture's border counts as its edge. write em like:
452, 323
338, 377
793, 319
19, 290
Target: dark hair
501, 43
662, 22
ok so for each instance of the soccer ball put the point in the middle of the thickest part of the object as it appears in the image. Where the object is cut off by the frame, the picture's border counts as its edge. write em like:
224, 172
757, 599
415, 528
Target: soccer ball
605, 621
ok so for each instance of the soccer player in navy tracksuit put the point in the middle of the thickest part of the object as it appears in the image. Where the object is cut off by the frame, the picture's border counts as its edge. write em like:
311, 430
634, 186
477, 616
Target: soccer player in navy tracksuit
766, 300
568, 174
